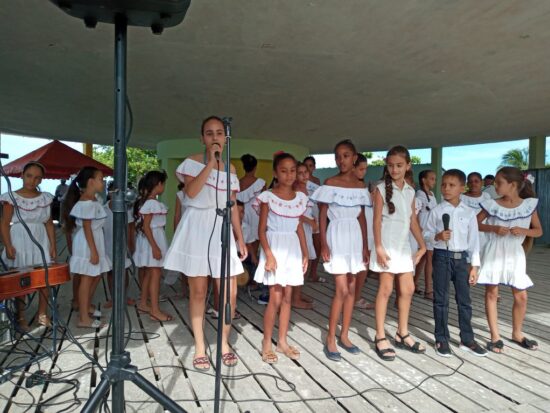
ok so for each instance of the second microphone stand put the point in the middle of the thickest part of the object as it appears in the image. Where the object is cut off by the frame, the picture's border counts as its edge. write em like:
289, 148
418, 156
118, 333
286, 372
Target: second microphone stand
225, 270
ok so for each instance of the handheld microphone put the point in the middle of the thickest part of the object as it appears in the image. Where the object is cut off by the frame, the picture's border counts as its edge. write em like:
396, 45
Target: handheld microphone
446, 220
217, 155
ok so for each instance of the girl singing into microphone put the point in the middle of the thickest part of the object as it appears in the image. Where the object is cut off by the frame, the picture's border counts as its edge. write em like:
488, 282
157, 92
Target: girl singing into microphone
196, 250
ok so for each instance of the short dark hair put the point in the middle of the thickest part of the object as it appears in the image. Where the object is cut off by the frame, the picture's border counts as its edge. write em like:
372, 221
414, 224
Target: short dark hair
457, 173
489, 177
360, 158
309, 158
476, 174
249, 162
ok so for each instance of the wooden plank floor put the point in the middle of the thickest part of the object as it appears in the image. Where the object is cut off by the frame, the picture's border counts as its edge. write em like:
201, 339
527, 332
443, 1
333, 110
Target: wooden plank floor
517, 381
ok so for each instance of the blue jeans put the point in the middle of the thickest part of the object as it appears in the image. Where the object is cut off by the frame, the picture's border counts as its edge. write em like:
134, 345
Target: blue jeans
446, 268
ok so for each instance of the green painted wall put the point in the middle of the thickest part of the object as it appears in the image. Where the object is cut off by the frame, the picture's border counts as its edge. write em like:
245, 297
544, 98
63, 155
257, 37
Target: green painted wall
173, 152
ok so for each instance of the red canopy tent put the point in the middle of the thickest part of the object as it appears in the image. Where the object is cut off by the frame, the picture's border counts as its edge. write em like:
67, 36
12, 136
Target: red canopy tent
60, 161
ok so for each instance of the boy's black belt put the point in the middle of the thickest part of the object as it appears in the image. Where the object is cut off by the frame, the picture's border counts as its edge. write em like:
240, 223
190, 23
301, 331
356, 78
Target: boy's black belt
456, 255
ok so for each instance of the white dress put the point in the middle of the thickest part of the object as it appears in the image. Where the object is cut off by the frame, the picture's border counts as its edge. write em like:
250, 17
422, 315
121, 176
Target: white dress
35, 212
308, 230
108, 234
180, 196
344, 237
143, 257
282, 223
474, 203
369, 217
412, 239
427, 203
190, 252
502, 257
80, 260
311, 187
251, 219
395, 231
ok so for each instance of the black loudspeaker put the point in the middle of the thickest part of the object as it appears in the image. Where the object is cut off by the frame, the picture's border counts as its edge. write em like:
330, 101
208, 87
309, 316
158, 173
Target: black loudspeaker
156, 14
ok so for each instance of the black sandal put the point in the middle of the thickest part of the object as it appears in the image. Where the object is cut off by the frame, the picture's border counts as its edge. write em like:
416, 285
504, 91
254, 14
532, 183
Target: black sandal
383, 353
498, 345
528, 344
415, 348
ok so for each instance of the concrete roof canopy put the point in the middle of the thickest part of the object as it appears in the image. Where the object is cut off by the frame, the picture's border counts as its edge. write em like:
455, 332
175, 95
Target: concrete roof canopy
421, 73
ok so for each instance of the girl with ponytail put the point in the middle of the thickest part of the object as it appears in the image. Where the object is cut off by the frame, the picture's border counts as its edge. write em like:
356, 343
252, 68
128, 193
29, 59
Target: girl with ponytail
84, 218
151, 245
394, 218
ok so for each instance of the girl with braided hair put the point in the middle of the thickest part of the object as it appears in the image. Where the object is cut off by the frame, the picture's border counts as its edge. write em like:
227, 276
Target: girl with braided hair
394, 218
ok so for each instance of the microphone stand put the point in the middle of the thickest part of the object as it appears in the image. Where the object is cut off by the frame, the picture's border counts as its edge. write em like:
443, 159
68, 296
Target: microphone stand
119, 369
224, 316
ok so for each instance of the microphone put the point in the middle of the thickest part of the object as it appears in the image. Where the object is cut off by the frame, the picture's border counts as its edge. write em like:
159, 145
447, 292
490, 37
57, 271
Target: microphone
217, 155
446, 219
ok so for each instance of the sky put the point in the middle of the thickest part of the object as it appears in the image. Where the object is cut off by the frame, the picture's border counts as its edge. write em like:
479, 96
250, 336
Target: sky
17, 146
483, 158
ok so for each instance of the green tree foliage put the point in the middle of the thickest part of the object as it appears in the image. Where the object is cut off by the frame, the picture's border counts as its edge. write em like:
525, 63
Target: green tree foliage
518, 158
415, 160
139, 160
368, 155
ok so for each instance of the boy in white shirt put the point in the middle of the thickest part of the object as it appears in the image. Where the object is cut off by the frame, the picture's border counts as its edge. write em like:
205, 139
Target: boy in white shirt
456, 259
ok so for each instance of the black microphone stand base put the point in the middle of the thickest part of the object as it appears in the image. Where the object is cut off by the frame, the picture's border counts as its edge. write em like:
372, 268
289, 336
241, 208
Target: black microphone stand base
119, 369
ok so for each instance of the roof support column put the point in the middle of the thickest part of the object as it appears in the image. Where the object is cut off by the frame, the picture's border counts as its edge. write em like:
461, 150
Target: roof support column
88, 149
437, 166
537, 152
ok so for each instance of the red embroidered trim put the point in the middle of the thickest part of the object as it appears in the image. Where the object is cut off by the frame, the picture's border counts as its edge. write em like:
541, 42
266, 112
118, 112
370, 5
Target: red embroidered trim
24, 209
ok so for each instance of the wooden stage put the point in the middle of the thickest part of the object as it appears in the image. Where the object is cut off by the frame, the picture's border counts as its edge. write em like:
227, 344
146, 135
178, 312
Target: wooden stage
517, 381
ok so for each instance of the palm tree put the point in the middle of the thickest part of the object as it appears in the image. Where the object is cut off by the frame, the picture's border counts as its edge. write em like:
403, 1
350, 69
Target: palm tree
516, 157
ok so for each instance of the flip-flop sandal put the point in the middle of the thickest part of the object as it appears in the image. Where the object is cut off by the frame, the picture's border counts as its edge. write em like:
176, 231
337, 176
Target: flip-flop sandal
139, 310
270, 357
229, 359
495, 345
201, 363
528, 344
291, 352
415, 348
160, 320
94, 324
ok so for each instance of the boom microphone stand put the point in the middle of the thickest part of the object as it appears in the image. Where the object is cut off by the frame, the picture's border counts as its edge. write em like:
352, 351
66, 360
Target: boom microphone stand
225, 270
